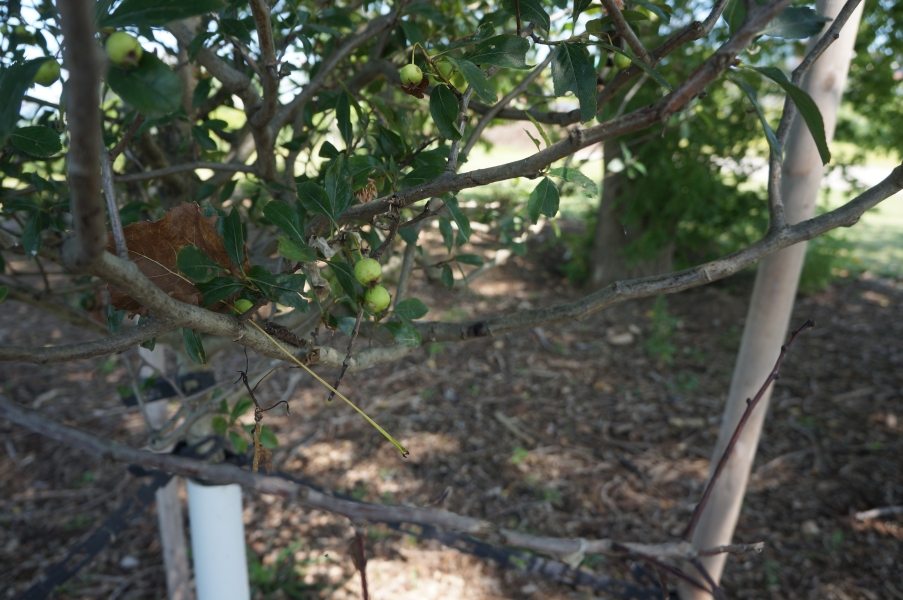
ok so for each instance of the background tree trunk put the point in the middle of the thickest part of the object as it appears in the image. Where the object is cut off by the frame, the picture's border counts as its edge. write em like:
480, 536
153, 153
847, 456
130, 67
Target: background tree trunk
607, 260
772, 298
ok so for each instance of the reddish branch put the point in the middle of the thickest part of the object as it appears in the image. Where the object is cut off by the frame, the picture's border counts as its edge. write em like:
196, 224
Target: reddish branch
750, 407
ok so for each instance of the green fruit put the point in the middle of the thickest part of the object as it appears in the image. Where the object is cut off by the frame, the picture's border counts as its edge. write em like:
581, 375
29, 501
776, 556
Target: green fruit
367, 271
411, 75
621, 61
124, 50
242, 305
377, 298
47, 73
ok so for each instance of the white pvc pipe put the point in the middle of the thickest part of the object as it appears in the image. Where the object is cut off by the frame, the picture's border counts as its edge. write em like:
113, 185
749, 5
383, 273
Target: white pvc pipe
218, 542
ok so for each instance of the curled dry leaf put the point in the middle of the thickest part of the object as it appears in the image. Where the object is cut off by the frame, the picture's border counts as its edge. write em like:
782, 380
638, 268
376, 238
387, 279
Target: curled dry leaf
154, 248
367, 193
416, 89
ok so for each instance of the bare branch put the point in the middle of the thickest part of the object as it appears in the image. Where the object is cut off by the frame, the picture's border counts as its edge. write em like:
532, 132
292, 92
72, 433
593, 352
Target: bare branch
624, 29
84, 62
127, 137
219, 473
261, 12
59, 310
110, 345
109, 193
214, 166
750, 407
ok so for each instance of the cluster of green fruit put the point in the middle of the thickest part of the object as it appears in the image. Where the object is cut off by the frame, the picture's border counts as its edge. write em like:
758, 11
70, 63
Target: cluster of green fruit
123, 50
412, 75
367, 271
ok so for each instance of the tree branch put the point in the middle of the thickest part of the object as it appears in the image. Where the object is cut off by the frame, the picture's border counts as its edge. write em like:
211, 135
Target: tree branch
624, 29
261, 11
214, 166
220, 473
83, 60
110, 345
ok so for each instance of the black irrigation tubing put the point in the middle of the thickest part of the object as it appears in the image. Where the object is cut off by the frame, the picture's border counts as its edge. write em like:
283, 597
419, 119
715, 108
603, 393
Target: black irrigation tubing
645, 588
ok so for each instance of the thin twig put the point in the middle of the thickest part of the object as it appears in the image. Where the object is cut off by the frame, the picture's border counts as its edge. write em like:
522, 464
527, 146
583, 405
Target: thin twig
347, 361
129, 134
751, 404
106, 162
624, 29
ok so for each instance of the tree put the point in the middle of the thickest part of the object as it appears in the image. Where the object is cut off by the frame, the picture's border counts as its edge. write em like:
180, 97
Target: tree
348, 162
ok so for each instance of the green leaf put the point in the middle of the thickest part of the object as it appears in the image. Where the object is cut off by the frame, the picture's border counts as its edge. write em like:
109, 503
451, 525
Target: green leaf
412, 308
243, 405
572, 70
796, 23
36, 140
448, 233
284, 288
543, 200
197, 265
531, 11
233, 238
483, 32
202, 137
314, 199
31, 232
464, 230
151, 88
538, 126
421, 175
149, 344
345, 274
404, 332
444, 110
219, 425
4, 290
448, 278
470, 259
503, 51
268, 438
239, 444
573, 175
195, 47
114, 319
750, 92
662, 11
13, 84
193, 346
338, 187
343, 324
629, 15
655, 75
475, 79
806, 107
343, 117
285, 218
296, 251
218, 289
157, 12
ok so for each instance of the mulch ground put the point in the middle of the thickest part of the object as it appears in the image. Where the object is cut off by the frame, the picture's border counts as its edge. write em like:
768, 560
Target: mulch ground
602, 428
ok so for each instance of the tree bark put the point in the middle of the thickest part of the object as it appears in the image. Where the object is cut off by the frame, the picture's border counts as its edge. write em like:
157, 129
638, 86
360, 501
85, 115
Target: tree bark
607, 260
772, 298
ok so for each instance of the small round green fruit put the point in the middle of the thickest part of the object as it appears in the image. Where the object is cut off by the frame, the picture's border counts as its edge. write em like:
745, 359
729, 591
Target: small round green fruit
124, 50
47, 73
377, 298
411, 75
621, 61
367, 271
242, 305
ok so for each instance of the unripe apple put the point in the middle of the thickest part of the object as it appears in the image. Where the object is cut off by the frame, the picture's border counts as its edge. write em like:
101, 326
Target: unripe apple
47, 73
367, 271
411, 75
621, 61
124, 50
377, 298
242, 305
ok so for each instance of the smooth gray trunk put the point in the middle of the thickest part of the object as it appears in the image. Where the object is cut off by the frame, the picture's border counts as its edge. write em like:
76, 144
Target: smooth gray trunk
772, 300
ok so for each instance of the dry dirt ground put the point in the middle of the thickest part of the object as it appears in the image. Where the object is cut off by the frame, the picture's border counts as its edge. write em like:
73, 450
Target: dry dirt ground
611, 424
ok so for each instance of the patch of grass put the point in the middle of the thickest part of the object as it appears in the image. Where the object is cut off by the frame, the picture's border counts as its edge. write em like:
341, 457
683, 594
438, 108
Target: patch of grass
284, 578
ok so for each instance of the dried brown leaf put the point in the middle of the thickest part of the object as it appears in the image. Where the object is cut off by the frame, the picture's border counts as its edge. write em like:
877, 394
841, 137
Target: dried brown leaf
154, 248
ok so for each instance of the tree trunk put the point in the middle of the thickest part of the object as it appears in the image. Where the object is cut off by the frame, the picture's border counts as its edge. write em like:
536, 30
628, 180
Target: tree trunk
772, 299
607, 260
